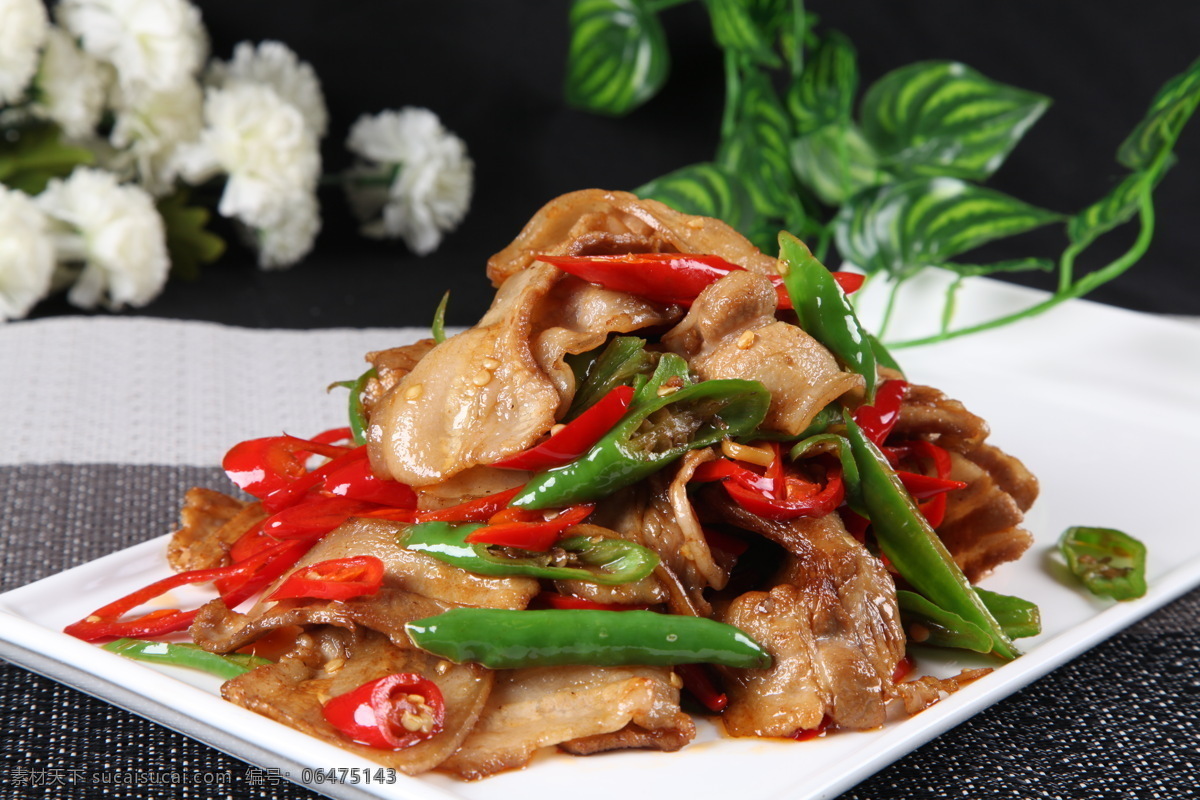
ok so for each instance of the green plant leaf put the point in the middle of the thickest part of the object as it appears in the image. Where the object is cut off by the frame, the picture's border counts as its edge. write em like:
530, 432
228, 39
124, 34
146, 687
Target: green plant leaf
30, 156
1115, 208
736, 29
903, 227
824, 92
1169, 112
944, 118
759, 150
836, 162
188, 243
1011, 265
705, 189
617, 57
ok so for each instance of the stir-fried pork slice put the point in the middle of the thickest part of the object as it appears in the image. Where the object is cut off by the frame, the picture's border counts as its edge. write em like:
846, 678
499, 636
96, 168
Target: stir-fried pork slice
210, 522
731, 332
632, 737
414, 586
923, 692
328, 662
390, 367
1010, 475
833, 629
926, 413
645, 592
599, 214
533, 708
658, 514
981, 528
473, 399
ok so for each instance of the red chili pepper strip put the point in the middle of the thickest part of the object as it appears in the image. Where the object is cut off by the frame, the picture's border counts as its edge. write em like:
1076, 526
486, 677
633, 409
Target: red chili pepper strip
391, 713
357, 481
904, 668
262, 466
923, 487
803, 499
577, 437
308, 521
670, 277
805, 734
723, 468
295, 491
719, 540
877, 420
931, 490
335, 579
698, 680
105, 623
481, 509
571, 602
529, 530
775, 473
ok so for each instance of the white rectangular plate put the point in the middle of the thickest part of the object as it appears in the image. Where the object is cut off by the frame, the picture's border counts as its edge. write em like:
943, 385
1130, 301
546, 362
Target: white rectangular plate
1100, 403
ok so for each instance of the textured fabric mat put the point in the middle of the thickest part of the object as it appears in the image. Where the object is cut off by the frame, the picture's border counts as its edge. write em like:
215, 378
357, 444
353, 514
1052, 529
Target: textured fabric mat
1122, 721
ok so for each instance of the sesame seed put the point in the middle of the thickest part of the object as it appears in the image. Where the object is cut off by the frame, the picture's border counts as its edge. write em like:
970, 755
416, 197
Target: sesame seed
482, 378
490, 363
746, 340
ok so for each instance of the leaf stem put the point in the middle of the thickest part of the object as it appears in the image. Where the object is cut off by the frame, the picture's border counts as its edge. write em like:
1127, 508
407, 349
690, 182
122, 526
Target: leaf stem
662, 5
891, 306
733, 92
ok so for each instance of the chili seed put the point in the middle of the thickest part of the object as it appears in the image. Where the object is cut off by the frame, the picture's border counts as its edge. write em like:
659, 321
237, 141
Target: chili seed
413, 392
482, 378
746, 340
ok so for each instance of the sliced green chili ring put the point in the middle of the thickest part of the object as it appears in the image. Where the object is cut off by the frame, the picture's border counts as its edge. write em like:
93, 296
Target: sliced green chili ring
825, 312
913, 547
656, 431
621, 361
186, 655
1110, 563
506, 639
610, 562
845, 454
438, 328
1018, 617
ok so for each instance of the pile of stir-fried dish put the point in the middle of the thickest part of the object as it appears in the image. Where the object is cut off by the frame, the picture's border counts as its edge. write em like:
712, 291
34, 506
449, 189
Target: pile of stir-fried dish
665, 475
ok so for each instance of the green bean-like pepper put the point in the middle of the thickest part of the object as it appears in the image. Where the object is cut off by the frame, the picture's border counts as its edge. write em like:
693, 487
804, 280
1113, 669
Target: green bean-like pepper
186, 655
505, 639
663, 423
930, 624
621, 361
358, 415
1108, 561
580, 558
913, 546
824, 311
841, 447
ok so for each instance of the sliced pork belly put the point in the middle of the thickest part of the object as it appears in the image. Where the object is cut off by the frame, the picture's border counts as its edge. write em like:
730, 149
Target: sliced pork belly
614, 220
982, 528
529, 709
210, 522
390, 367
833, 629
731, 332
328, 662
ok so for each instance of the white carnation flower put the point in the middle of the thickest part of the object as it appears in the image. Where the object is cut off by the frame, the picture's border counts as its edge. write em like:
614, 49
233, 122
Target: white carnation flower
152, 126
26, 254
23, 25
72, 86
273, 64
426, 173
290, 239
155, 45
116, 233
261, 143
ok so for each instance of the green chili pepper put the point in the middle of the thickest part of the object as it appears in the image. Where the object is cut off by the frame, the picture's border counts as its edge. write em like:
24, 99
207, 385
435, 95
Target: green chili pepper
928, 623
826, 418
186, 655
882, 356
580, 558
913, 546
358, 416
1018, 617
655, 432
824, 311
1109, 562
850, 474
619, 363
438, 328
505, 639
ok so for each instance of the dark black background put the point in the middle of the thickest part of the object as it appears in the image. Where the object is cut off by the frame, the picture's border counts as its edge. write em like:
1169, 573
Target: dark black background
493, 72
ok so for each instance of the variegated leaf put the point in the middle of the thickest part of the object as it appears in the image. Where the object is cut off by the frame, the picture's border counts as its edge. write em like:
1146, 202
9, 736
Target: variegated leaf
903, 227
703, 189
617, 58
836, 163
1115, 208
760, 150
824, 92
736, 30
944, 118
1168, 113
